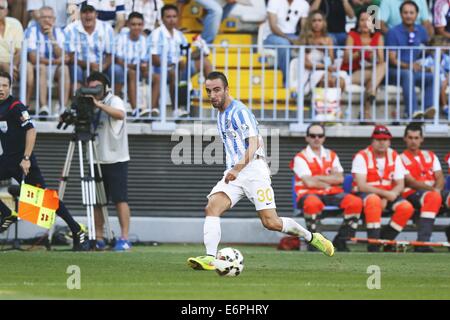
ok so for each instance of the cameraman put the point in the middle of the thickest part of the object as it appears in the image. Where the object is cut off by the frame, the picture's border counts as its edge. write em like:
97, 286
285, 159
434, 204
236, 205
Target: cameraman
17, 137
113, 156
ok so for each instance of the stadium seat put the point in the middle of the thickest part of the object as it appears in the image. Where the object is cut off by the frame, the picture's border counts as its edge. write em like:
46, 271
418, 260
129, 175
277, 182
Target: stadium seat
233, 60
447, 183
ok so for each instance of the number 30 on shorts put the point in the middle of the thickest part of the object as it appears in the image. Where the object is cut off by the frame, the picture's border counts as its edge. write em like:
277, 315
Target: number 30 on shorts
264, 195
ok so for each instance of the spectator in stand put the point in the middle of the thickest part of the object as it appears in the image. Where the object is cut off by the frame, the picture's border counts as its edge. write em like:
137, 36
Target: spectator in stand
112, 12
390, 15
89, 42
132, 54
59, 7
319, 59
215, 14
150, 9
413, 35
441, 18
370, 77
444, 71
11, 37
45, 42
173, 38
335, 12
282, 20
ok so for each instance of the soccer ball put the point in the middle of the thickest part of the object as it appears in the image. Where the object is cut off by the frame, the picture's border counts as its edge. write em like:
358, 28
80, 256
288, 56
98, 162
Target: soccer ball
229, 262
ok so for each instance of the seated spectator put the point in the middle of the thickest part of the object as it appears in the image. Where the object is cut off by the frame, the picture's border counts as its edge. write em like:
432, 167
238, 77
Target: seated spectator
59, 6
353, 60
45, 43
131, 55
151, 10
444, 71
390, 15
11, 37
424, 183
283, 17
335, 12
111, 12
378, 178
410, 34
318, 183
167, 34
214, 15
441, 18
90, 44
319, 59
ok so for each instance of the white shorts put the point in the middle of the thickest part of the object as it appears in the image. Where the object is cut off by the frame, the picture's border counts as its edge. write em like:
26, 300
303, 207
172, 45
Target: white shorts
253, 182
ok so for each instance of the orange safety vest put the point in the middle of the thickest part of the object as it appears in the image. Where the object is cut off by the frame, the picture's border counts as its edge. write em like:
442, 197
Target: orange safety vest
385, 182
316, 170
421, 171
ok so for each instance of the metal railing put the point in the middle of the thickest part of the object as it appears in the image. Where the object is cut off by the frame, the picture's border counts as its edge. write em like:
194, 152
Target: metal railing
307, 92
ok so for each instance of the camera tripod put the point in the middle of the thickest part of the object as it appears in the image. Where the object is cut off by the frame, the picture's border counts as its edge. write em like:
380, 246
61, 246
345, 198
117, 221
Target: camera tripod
92, 189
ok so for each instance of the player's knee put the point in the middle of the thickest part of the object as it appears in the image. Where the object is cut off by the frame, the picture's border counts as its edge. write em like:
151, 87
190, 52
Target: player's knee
312, 205
352, 204
431, 202
211, 212
372, 208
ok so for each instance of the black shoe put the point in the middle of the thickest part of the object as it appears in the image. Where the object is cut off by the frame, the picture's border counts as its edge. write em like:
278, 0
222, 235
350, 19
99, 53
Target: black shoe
6, 222
423, 249
340, 244
80, 241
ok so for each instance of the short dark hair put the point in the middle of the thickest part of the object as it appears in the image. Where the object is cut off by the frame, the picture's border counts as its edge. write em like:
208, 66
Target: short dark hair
413, 127
313, 125
99, 76
137, 15
217, 75
4, 74
168, 7
411, 3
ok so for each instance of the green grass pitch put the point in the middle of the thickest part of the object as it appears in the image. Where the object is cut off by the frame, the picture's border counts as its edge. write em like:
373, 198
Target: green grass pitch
160, 272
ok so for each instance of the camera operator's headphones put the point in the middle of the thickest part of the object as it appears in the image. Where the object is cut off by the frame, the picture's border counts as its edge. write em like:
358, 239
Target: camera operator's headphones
100, 76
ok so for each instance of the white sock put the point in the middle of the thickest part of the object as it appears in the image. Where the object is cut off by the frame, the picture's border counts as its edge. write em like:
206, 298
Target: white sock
294, 229
211, 234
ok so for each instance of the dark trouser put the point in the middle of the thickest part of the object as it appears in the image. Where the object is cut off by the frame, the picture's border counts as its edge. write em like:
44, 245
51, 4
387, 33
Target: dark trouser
10, 168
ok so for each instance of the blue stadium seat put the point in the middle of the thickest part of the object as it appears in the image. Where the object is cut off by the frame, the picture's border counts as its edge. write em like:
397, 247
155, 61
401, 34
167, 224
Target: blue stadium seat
447, 183
347, 185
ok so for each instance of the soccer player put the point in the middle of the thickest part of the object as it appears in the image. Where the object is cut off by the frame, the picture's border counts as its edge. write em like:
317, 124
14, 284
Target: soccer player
424, 182
378, 177
318, 182
247, 175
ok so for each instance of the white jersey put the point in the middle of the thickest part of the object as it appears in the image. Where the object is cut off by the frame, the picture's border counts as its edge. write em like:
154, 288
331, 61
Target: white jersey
236, 124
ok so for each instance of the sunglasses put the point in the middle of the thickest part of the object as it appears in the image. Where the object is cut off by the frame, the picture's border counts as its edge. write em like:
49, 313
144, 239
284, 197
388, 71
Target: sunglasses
289, 12
312, 135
